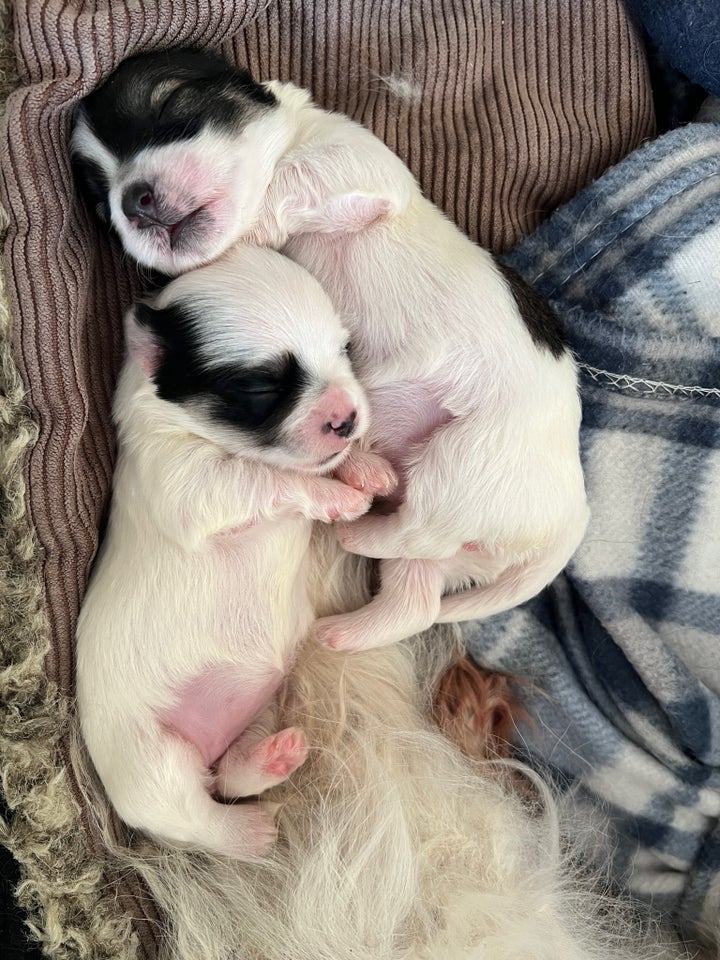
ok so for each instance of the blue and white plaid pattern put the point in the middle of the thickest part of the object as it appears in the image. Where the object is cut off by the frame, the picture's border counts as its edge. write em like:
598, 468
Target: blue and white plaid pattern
624, 649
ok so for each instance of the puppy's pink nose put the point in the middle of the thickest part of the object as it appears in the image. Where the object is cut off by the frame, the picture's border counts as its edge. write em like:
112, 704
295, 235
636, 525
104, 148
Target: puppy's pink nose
341, 427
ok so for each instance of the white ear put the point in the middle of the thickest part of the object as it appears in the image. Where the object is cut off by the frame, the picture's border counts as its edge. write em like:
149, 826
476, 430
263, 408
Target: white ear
350, 212
340, 213
141, 340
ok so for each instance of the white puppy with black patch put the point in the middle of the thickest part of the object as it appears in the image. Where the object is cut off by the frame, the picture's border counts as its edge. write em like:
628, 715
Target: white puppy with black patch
473, 393
235, 397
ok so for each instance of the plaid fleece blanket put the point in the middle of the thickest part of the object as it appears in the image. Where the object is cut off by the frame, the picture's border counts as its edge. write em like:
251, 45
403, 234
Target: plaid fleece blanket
622, 652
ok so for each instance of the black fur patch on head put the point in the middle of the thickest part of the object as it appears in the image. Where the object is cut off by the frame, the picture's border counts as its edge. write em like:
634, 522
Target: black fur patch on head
158, 98
542, 322
256, 399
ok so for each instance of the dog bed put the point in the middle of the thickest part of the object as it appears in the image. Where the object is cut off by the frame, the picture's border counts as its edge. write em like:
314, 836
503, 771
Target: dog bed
502, 110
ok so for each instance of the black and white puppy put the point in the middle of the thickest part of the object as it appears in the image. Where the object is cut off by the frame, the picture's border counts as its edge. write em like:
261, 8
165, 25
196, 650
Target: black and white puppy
151, 105
235, 397
473, 395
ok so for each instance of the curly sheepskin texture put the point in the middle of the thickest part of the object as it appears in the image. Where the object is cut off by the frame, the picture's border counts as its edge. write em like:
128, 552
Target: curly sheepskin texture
63, 887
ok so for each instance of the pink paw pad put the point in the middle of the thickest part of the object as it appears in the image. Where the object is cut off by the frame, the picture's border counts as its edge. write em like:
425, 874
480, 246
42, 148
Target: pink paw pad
282, 753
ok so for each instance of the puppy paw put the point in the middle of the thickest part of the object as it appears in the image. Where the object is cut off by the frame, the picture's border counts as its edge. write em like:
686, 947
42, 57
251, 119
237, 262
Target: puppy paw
345, 503
268, 763
365, 538
340, 633
277, 756
368, 472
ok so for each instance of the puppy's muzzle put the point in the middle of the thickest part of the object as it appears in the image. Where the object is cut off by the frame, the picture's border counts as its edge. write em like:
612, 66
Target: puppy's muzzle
141, 207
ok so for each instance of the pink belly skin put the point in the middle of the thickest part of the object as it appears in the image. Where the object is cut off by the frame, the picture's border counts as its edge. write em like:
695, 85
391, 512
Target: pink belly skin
214, 708
403, 415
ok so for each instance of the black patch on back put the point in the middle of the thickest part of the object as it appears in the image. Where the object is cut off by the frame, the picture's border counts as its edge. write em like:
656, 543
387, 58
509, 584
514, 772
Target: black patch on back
123, 114
542, 322
255, 399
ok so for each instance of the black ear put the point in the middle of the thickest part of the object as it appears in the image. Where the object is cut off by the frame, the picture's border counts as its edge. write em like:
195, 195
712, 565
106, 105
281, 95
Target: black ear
144, 342
91, 184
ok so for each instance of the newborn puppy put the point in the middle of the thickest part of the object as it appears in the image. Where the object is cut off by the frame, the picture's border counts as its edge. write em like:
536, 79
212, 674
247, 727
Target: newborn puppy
236, 395
473, 394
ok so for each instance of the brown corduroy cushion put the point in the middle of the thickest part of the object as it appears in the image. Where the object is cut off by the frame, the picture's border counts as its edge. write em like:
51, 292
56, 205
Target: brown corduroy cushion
502, 108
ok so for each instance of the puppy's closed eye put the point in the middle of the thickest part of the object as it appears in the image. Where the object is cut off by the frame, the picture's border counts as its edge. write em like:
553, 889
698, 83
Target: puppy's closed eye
182, 101
266, 388
262, 386
259, 399
256, 396
168, 102
275, 378
162, 93
178, 117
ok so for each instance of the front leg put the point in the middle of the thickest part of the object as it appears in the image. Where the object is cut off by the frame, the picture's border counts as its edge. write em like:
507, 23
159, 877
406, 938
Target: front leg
407, 603
312, 194
346, 495
367, 471
322, 498
385, 536
197, 493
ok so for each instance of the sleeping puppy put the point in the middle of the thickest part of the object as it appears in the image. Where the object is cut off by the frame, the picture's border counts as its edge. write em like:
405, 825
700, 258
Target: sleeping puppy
235, 398
473, 394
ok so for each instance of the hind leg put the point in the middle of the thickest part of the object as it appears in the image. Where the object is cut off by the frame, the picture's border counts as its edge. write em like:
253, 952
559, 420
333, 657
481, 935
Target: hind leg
260, 758
407, 603
171, 800
389, 536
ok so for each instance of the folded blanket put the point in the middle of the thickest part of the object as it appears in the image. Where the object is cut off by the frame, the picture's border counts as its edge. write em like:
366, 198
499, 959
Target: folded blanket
624, 650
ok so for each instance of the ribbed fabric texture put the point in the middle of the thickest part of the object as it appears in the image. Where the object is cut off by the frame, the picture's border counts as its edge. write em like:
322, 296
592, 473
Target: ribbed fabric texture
503, 109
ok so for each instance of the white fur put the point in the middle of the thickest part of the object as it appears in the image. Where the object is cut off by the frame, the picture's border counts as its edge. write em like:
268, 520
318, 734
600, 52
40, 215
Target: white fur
391, 845
200, 599
480, 422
